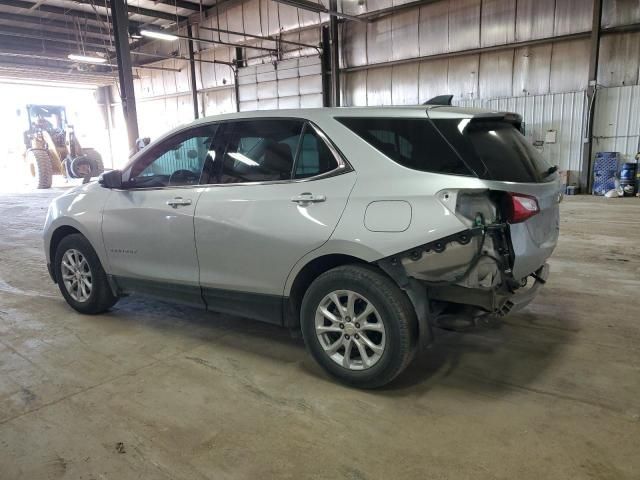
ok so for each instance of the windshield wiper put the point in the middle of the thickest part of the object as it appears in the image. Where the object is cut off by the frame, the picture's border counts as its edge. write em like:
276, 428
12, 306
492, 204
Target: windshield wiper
550, 171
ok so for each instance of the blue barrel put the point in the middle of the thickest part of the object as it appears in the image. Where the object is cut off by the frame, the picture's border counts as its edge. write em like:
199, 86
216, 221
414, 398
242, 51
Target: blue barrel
628, 178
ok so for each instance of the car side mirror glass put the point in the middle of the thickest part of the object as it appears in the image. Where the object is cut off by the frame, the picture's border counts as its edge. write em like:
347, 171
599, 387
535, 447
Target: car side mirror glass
111, 179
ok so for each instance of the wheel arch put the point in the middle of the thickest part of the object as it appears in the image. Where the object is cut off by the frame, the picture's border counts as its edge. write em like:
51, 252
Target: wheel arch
306, 275
56, 237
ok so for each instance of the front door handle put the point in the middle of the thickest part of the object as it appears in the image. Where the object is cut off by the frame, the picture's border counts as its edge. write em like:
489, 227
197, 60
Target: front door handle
306, 198
179, 202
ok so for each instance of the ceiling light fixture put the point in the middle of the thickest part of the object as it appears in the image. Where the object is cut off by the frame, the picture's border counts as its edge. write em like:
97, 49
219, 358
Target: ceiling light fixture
158, 35
86, 58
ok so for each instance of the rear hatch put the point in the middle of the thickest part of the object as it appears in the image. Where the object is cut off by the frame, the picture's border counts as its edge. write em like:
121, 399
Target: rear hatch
493, 148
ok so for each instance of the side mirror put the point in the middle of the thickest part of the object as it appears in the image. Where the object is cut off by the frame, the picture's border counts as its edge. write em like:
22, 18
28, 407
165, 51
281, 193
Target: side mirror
111, 179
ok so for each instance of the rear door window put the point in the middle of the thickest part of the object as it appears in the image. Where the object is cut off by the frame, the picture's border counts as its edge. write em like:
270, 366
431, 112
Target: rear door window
256, 151
412, 142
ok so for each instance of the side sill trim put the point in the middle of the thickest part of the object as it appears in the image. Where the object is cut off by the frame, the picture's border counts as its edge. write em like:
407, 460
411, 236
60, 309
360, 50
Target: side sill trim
256, 306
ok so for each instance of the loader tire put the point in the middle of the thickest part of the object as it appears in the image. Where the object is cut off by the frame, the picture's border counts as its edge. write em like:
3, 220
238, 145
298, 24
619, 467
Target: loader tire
40, 167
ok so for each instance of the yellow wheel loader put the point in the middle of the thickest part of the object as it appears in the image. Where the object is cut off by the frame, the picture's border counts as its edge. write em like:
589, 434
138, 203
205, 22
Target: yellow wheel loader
52, 148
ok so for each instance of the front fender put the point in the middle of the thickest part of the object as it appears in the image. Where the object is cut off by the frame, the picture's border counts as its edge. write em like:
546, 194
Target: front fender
81, 209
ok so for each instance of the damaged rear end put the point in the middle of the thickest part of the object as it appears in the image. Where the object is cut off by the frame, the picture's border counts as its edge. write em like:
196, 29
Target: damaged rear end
496, 263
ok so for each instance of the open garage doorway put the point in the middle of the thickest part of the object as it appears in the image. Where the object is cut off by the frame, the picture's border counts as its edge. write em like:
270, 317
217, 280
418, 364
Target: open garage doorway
56, 106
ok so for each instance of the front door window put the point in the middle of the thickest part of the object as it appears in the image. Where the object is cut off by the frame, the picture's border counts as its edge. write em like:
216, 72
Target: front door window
178, 161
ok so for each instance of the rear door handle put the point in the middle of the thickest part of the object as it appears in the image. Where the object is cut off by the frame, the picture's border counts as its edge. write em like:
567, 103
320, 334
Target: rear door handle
179, 202
305, 198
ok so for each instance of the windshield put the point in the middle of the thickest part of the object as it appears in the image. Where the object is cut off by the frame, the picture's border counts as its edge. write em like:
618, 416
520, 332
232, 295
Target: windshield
496, 150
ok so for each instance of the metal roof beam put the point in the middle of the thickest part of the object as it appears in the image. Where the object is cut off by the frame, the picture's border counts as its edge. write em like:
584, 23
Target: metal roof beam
318, 8
147, 12
53, 36
57, 10
181, 4
43, 23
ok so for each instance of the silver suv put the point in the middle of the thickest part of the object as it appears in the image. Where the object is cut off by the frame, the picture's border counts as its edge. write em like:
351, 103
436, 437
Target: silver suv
364, 227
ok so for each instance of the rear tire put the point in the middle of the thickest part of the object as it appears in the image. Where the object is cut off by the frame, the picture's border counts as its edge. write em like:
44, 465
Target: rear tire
374, 316
40, 167
80, 276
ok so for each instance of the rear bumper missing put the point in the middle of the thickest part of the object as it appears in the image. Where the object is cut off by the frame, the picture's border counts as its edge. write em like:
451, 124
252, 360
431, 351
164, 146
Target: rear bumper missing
496, 301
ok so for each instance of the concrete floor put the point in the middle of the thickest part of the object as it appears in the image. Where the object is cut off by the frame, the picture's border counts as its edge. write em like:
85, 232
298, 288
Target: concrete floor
152, 390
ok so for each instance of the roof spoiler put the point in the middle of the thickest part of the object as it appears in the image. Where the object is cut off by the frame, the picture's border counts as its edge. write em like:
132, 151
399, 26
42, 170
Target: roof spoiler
514, 119
440, 100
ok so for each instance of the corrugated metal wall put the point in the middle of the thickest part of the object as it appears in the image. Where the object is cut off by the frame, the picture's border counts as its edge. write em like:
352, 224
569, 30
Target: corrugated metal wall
617, 123
562, 112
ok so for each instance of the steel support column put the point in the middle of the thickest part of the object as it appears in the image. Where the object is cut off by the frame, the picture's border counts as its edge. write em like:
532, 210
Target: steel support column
585, 173
192, 72
326, 67
335, 58
125, 74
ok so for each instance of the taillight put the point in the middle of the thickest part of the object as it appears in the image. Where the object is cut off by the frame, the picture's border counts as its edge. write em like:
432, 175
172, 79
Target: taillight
520, 207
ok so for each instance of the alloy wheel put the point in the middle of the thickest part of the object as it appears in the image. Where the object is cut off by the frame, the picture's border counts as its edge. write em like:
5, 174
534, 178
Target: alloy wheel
76, 275
350, 330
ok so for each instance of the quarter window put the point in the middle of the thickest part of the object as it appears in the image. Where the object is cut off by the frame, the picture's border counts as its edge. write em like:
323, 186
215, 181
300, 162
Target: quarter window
412, 142
314, 157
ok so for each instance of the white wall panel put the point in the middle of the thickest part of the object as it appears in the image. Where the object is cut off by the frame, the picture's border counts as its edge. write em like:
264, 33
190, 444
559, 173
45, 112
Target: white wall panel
379, 86
354, 44
432, 79
354, 88
288, 17
619, 59
498, 22
404, 32
379, 44
534, 19
251, 17
219, 101
235, 22
570, 66
620, 12
434, 28
464, 24
531, 69
404, 84
496, 74
269, 18
573, 16
462, 79
617, 123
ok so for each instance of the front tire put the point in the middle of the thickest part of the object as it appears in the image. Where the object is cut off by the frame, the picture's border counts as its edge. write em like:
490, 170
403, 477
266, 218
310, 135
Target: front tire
40, 167
80, 276
359, 326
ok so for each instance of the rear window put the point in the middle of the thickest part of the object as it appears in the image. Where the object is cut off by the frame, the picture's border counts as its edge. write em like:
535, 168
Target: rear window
412, 142
495, 150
